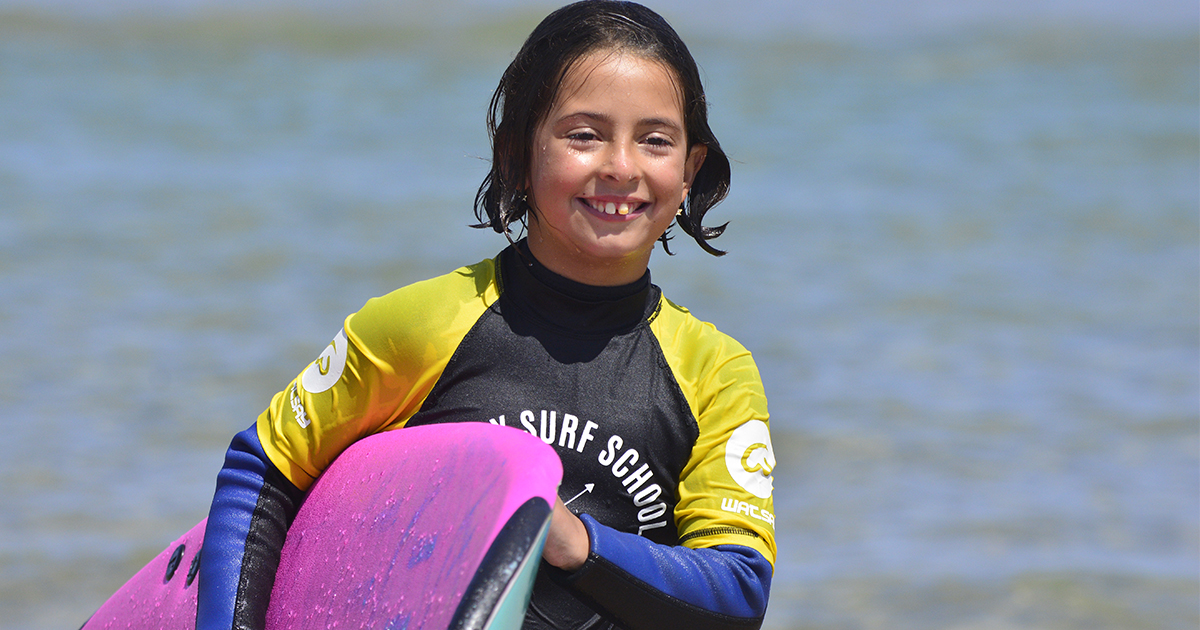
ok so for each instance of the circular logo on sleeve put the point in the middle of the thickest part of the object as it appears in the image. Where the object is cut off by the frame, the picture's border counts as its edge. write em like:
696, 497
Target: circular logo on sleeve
750, 458
327, 369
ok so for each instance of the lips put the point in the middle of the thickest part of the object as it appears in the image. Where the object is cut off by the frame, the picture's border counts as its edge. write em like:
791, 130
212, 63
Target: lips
621, 208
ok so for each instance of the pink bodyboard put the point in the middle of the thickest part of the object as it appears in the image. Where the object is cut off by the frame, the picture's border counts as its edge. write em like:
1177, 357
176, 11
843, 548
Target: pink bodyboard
390, 536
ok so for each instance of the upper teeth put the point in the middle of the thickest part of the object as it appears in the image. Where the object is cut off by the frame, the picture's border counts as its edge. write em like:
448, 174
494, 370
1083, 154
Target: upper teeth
614, 208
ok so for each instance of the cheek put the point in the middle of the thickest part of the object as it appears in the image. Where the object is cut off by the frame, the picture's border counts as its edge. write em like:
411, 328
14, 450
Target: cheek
557, 175
541, 165
541, 175
671, 182
546, 183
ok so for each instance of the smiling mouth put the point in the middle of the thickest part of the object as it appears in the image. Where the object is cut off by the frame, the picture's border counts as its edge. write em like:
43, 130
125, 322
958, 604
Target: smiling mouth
614, 208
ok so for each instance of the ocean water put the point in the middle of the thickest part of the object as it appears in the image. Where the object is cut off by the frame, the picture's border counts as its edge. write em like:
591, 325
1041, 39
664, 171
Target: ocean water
964, 247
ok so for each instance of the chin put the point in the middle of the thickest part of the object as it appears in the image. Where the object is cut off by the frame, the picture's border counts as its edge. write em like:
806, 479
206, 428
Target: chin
617, 248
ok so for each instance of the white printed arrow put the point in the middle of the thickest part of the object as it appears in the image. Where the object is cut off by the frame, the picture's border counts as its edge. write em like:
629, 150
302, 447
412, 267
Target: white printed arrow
586, 488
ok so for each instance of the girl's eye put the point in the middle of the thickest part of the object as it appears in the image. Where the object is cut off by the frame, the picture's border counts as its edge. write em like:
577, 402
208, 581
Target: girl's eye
582, 136
658, 141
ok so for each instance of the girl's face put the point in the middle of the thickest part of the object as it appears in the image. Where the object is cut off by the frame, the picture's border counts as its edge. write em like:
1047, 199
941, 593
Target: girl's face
609, 169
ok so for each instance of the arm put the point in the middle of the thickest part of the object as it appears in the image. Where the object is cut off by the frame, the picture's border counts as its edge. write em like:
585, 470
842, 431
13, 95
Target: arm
251, 510
720, 575
363, 381
642, 585
373, 374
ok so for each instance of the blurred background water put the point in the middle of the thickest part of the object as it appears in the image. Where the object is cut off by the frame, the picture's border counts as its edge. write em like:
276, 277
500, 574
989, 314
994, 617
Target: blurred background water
965, 249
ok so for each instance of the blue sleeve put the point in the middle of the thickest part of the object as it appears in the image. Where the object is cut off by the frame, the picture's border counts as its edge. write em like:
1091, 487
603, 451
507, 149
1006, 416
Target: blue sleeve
252, 508
642, 585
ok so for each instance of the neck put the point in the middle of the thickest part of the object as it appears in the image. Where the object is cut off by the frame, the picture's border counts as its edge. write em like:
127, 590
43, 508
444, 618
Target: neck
528, 286
581, 267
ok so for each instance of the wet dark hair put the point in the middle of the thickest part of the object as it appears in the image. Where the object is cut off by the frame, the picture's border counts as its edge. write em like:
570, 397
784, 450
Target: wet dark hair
530, 84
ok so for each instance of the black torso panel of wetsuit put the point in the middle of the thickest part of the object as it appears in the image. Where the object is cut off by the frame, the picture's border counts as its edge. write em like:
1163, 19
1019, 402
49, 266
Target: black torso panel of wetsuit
578, 367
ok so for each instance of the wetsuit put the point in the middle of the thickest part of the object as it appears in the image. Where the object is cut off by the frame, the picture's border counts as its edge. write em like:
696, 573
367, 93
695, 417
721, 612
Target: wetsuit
660, 421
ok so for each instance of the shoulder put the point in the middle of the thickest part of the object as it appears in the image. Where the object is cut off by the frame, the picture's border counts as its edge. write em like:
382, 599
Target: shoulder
686, 338
448, 302
711, 367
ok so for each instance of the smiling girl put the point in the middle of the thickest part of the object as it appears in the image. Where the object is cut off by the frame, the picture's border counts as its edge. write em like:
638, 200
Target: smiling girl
600, 144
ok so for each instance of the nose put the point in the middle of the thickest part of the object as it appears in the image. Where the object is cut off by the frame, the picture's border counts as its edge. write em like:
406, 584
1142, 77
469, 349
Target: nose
621, 164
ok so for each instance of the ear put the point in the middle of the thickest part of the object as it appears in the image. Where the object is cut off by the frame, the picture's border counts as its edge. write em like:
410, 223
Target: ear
691, 166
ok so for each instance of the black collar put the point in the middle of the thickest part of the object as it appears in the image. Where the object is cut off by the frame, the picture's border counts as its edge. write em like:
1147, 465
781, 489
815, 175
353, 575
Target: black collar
570, 306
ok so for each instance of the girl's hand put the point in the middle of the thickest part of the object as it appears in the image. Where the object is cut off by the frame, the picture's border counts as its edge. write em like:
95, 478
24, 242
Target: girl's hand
567, 541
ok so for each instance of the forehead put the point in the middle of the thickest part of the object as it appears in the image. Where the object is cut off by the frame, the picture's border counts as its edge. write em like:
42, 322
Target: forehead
619, 76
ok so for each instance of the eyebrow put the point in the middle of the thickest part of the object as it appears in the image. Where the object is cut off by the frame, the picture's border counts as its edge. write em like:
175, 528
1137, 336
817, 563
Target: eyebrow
605, 118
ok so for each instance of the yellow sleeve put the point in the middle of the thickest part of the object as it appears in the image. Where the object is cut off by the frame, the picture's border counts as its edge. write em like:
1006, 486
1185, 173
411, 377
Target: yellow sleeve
725, 489
376, 372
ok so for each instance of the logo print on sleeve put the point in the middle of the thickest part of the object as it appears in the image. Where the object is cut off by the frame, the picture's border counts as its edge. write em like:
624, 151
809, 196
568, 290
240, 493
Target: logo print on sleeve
750, 458
327, 369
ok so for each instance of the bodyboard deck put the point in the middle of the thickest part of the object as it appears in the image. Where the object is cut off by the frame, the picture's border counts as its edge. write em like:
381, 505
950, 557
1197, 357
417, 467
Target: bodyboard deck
430, 527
